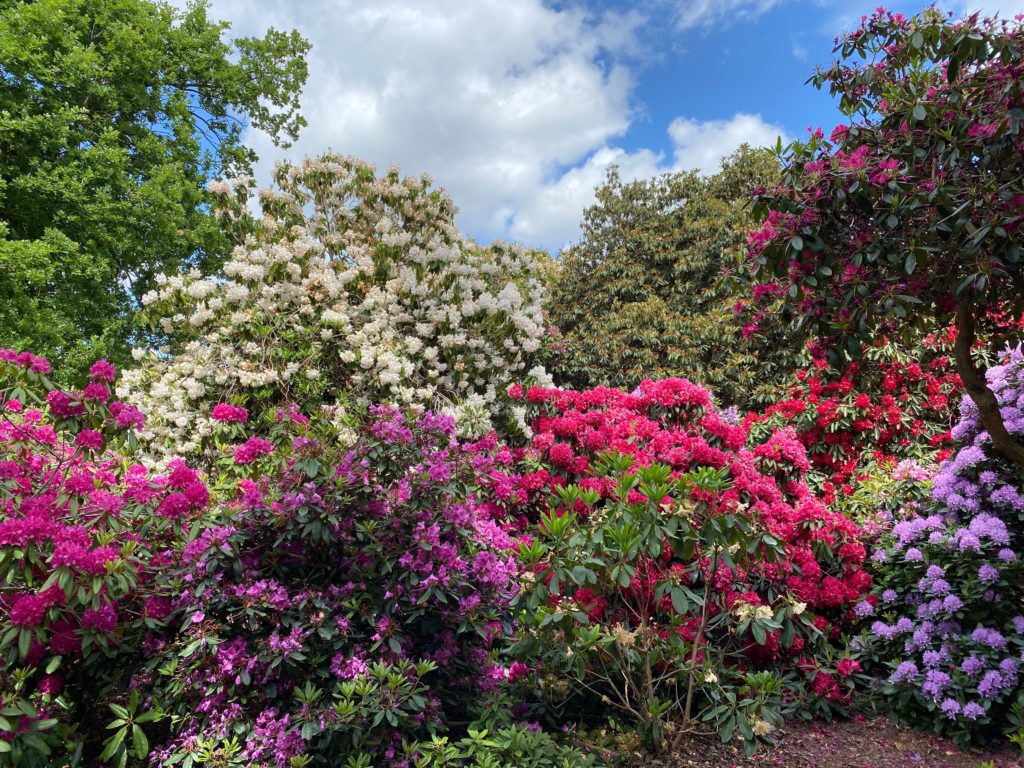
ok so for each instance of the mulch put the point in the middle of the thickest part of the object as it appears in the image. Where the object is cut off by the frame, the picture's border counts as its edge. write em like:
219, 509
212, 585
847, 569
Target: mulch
857, 743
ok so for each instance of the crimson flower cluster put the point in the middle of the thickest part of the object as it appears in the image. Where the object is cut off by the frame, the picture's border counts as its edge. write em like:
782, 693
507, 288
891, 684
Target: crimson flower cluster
674, 422
892, 405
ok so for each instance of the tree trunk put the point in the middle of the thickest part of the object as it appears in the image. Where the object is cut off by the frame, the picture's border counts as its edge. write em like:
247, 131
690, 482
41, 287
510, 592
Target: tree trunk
977, 387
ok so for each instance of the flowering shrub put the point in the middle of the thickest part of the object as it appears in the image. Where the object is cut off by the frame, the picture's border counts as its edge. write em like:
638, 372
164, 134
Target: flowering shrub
614, 611
350, 287
896, 403
83, 535
949, 622
340, 601
910, 214
630, 557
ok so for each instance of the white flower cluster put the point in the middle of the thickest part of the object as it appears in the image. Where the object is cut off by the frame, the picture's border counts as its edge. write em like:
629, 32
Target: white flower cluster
350, 285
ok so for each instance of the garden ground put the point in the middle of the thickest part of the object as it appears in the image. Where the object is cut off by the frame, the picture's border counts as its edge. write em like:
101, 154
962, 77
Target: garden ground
858, 743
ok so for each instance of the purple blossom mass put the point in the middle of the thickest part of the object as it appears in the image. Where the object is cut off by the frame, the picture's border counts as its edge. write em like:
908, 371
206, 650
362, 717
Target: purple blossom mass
949, 579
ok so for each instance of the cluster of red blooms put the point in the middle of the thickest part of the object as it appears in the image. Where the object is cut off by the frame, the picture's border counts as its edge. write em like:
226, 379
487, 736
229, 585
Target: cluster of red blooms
674, 422
888, 407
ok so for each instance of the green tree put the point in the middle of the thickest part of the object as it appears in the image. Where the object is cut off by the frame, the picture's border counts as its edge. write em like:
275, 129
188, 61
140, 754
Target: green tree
651, 289
113, 116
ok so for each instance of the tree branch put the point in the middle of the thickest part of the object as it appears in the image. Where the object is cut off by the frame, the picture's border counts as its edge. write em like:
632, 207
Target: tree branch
977, 387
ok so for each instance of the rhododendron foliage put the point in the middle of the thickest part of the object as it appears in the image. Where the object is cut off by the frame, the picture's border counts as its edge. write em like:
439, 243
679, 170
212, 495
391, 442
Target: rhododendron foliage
805, 577
912, 213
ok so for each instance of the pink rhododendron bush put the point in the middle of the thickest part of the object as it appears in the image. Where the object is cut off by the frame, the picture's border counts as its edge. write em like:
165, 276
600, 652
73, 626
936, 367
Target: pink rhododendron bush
302, 602
666, 554
83, 537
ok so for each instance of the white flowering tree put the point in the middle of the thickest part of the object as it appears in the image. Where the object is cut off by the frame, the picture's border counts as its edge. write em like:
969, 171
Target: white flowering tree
350, 288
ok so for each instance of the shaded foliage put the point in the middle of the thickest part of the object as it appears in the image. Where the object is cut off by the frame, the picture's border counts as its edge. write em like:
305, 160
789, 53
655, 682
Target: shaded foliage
651, 289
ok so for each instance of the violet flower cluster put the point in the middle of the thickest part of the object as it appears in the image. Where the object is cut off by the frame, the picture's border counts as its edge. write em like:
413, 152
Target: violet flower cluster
342, 599
947, 614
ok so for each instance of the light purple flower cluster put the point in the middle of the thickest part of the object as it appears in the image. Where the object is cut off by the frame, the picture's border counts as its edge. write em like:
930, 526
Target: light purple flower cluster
971, 482
949, 582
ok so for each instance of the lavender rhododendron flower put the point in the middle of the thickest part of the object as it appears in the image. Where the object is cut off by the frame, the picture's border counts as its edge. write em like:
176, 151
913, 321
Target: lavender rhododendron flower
949, 601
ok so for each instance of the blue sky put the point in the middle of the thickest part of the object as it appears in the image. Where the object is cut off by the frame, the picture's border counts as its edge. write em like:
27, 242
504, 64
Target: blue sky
518, 107
750, 59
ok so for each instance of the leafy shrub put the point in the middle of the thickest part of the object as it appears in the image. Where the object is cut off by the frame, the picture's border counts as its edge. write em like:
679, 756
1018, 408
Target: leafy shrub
511, 745
83, 539
339, 601
897, 402
314, 600
666, 554
950, 585
908, 217
351, 288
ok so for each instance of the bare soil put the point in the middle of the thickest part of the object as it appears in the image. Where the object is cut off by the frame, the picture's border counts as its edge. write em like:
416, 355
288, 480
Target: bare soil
857, 743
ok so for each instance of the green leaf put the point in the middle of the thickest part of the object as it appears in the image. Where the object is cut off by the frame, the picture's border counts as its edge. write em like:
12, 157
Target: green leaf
113, 743
140, 742
24, 642
679, 602
760, 636
910, 264
919, 112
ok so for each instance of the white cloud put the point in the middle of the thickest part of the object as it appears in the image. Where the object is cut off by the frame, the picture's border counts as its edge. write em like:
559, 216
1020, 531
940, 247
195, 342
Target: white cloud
701, 145
706, 13
552, 216
515, 107
698, 146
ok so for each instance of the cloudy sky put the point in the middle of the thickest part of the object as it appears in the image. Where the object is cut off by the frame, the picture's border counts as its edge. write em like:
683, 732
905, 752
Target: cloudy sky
518, 107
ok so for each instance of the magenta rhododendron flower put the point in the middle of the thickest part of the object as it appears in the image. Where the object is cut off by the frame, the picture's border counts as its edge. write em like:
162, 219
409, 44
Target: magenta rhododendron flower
252, 449
225, 412
89, 438
102, 371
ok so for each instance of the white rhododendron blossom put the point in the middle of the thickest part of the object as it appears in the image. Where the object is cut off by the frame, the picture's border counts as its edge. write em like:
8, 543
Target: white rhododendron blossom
350, 286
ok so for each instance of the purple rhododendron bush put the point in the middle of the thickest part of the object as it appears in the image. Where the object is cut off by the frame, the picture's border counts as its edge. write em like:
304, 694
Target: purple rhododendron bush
339, 599
949, 600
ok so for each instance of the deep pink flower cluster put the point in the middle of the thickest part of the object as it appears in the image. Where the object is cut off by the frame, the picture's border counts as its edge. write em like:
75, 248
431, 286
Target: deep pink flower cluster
674, 422
252, 449
25, 360
225, 412
81, 546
